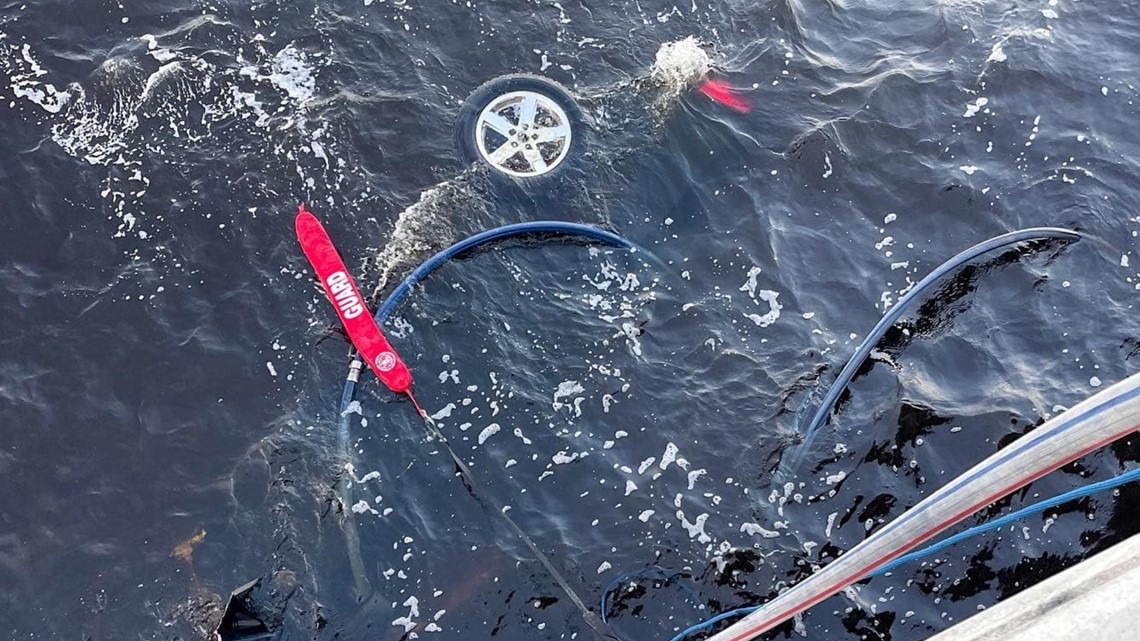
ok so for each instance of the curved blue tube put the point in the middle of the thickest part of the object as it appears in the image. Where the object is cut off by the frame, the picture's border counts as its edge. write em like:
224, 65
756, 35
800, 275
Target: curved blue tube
1030, 510
704, 625
885, 323
655, 571
482, 238
491, 235
344, 421
433, 263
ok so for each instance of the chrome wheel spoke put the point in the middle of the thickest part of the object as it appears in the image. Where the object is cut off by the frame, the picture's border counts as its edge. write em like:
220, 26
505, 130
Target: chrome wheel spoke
528, 109
502, 154
551, 134
535, 159
498, 123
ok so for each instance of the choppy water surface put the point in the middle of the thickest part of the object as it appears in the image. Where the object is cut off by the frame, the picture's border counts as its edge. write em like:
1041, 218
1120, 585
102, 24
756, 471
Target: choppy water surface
169, 376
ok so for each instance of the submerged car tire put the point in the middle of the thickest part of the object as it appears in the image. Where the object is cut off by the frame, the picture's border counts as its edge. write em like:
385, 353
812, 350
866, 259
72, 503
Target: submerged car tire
521, 126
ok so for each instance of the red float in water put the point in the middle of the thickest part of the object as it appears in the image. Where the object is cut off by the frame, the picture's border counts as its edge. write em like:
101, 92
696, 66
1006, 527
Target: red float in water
342, 292
725, 94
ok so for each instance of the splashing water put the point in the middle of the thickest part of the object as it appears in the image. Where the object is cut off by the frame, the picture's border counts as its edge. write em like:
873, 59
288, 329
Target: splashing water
128, 113
678, 66
292, 73
24, 72
103, 120
961, 5
421, 228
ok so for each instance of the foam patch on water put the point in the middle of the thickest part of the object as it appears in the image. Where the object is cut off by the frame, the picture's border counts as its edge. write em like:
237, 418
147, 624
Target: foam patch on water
408, 622
292, 73
678, 66
159, 105
24, 73
766, 296
972, 108
568, 394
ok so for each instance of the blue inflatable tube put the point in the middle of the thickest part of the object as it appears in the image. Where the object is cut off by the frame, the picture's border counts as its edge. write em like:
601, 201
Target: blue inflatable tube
900, 308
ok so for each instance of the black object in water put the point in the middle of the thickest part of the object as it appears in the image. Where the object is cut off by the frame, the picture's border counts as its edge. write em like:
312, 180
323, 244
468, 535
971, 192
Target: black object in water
240, 621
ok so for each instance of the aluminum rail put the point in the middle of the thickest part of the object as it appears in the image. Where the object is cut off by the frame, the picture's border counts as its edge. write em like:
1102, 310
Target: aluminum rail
1101, 419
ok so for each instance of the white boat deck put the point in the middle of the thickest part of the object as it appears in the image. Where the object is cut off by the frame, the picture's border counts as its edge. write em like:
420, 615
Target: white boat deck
1096, 600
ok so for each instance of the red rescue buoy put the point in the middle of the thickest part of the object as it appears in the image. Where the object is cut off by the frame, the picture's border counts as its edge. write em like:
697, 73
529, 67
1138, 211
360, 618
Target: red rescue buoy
349, 304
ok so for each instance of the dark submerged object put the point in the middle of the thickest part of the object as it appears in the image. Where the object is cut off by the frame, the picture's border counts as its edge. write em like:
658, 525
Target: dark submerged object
240, 621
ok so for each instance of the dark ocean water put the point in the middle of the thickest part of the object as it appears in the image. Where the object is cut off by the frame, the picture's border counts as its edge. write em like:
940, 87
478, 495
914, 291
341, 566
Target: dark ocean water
169, 377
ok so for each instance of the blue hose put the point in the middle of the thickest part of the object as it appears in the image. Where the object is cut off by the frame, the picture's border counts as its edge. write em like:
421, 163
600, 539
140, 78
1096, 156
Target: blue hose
861, 354
491, 235
704, 625
556, 227
1036, 508
433, 263
896, 312
482, 238
655, 571
344, 420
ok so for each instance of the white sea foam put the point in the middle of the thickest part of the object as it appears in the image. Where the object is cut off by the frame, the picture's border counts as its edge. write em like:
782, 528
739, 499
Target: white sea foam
677, 66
